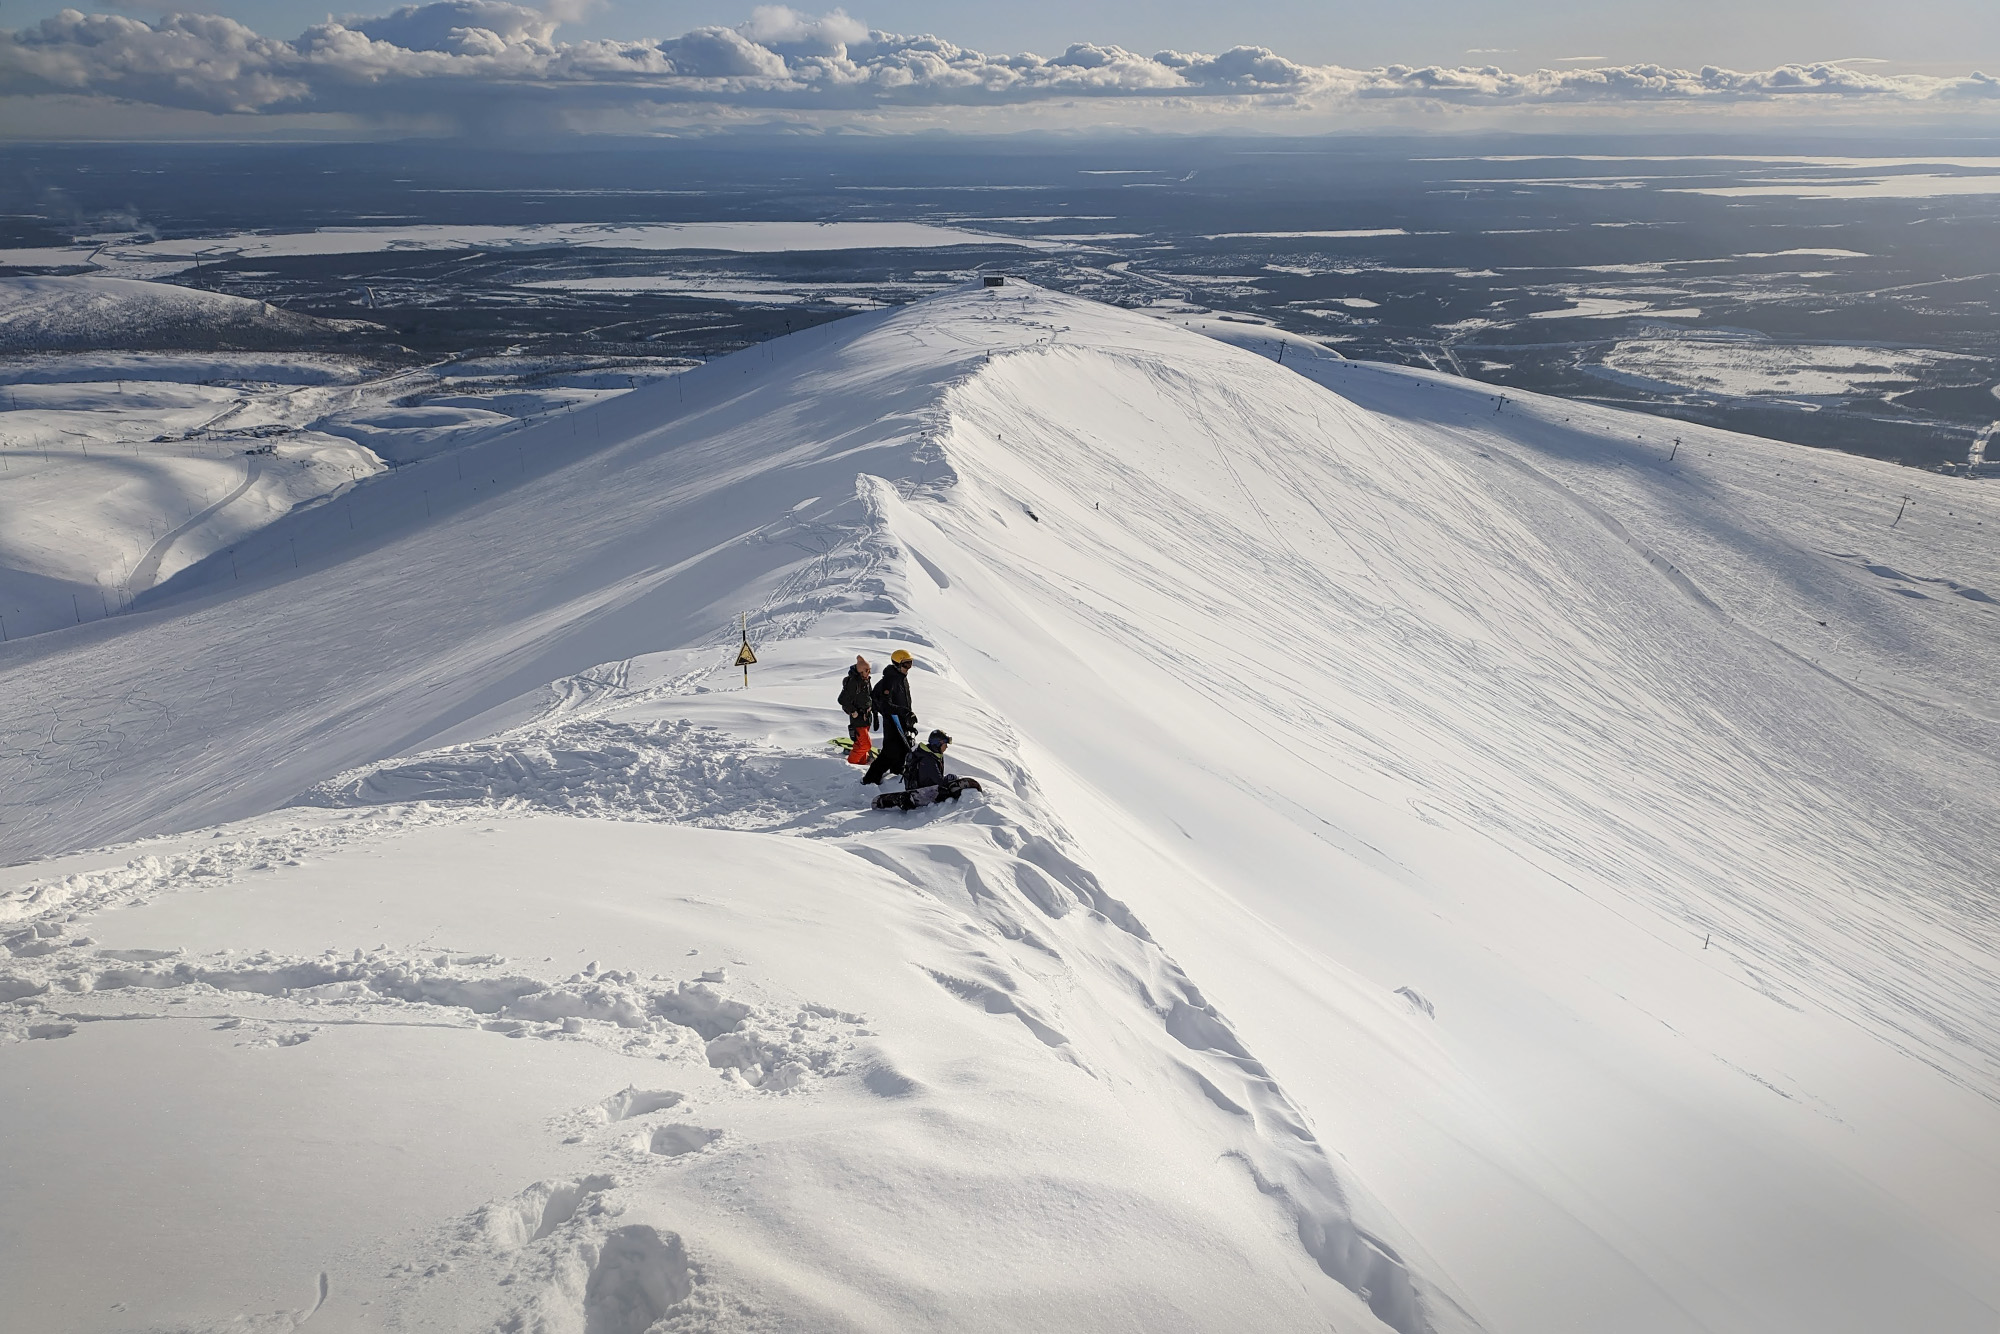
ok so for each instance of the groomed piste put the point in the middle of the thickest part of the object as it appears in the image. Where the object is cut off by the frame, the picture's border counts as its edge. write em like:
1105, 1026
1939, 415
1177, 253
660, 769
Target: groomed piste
1446, 862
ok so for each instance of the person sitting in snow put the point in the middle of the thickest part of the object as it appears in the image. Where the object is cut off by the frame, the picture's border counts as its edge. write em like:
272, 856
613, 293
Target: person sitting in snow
899, 719
925, 782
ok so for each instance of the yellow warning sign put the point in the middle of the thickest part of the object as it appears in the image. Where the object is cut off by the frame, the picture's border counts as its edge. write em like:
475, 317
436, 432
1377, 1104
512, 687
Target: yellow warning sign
746, 655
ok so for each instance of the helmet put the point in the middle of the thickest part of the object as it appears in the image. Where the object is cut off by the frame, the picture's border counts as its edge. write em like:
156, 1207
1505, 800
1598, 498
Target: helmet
939, 739
901, 655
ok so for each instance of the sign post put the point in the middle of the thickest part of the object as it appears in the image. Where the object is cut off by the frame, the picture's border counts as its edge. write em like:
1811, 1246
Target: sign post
746, 655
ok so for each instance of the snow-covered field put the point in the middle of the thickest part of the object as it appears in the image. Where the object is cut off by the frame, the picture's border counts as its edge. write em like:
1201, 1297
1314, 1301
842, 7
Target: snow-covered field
748, 290
119, 469
1445, 864
144, 256
1756, 367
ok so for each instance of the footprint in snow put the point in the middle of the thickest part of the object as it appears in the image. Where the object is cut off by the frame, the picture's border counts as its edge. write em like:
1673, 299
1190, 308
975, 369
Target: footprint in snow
677, 1140
630, 1102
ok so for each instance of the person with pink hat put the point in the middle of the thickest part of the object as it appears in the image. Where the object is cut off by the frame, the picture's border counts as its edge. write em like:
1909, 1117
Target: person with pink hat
857, 702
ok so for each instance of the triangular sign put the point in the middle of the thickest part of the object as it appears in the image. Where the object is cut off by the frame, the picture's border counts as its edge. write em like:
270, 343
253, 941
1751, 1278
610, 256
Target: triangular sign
746, 655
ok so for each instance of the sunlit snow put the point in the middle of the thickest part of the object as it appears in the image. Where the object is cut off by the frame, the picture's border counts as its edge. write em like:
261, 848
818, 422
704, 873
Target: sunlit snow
1449, 860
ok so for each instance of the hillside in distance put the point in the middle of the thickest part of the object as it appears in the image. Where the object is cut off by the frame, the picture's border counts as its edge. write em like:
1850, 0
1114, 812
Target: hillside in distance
72, 312
1448, 861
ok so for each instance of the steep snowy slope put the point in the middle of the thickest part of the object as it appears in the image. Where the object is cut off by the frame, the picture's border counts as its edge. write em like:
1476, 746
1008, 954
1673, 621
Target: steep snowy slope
1425, 879
1392, 694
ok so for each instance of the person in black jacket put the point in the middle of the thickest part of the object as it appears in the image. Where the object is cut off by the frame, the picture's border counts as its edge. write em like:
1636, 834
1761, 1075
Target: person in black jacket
856, 700
899, 720
924, 780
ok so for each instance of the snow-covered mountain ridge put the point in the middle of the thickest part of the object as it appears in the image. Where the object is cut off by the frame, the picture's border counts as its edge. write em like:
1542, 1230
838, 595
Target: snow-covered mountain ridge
1427, 877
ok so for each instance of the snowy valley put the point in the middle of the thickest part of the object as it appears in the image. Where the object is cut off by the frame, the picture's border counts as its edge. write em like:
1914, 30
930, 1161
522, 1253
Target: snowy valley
1449, 860
122, 463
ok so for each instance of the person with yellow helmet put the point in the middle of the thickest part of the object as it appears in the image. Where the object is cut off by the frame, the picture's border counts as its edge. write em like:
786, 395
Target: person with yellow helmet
899, 719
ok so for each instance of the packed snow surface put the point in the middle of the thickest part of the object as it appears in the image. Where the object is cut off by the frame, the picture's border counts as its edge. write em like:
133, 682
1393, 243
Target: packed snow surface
1446, 862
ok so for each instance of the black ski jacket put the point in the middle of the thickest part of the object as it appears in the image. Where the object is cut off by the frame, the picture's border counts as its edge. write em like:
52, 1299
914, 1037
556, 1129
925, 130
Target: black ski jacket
892, 698
924, 768
854, 695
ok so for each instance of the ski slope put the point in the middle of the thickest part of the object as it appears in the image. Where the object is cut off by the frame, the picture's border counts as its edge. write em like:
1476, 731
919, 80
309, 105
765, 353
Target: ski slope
1445, 865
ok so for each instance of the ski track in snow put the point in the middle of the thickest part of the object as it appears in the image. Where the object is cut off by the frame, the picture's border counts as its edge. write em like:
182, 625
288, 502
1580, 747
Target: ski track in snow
279, 1000
147, 571
1755, 912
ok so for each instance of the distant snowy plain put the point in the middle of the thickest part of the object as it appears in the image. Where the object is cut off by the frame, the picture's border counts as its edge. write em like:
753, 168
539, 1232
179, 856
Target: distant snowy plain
1450, 860
122, 465
151, 257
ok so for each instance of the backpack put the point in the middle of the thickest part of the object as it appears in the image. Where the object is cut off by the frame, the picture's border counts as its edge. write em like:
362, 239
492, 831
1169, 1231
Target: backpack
914, 764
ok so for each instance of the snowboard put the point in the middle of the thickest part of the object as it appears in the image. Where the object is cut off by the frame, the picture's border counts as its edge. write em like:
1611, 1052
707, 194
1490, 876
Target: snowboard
900, 801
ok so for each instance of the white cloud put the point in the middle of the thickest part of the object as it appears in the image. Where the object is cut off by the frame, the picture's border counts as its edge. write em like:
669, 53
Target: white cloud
434, 57
461, 27
788, 32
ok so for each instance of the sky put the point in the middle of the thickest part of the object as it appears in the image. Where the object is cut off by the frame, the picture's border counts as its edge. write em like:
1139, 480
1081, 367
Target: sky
1288, 65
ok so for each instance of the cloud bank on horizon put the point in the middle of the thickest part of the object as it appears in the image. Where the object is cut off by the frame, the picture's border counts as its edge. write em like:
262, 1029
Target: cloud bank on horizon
452, 55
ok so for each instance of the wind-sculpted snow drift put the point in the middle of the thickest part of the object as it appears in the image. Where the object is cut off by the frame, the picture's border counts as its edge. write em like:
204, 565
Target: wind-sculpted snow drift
1442, 866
